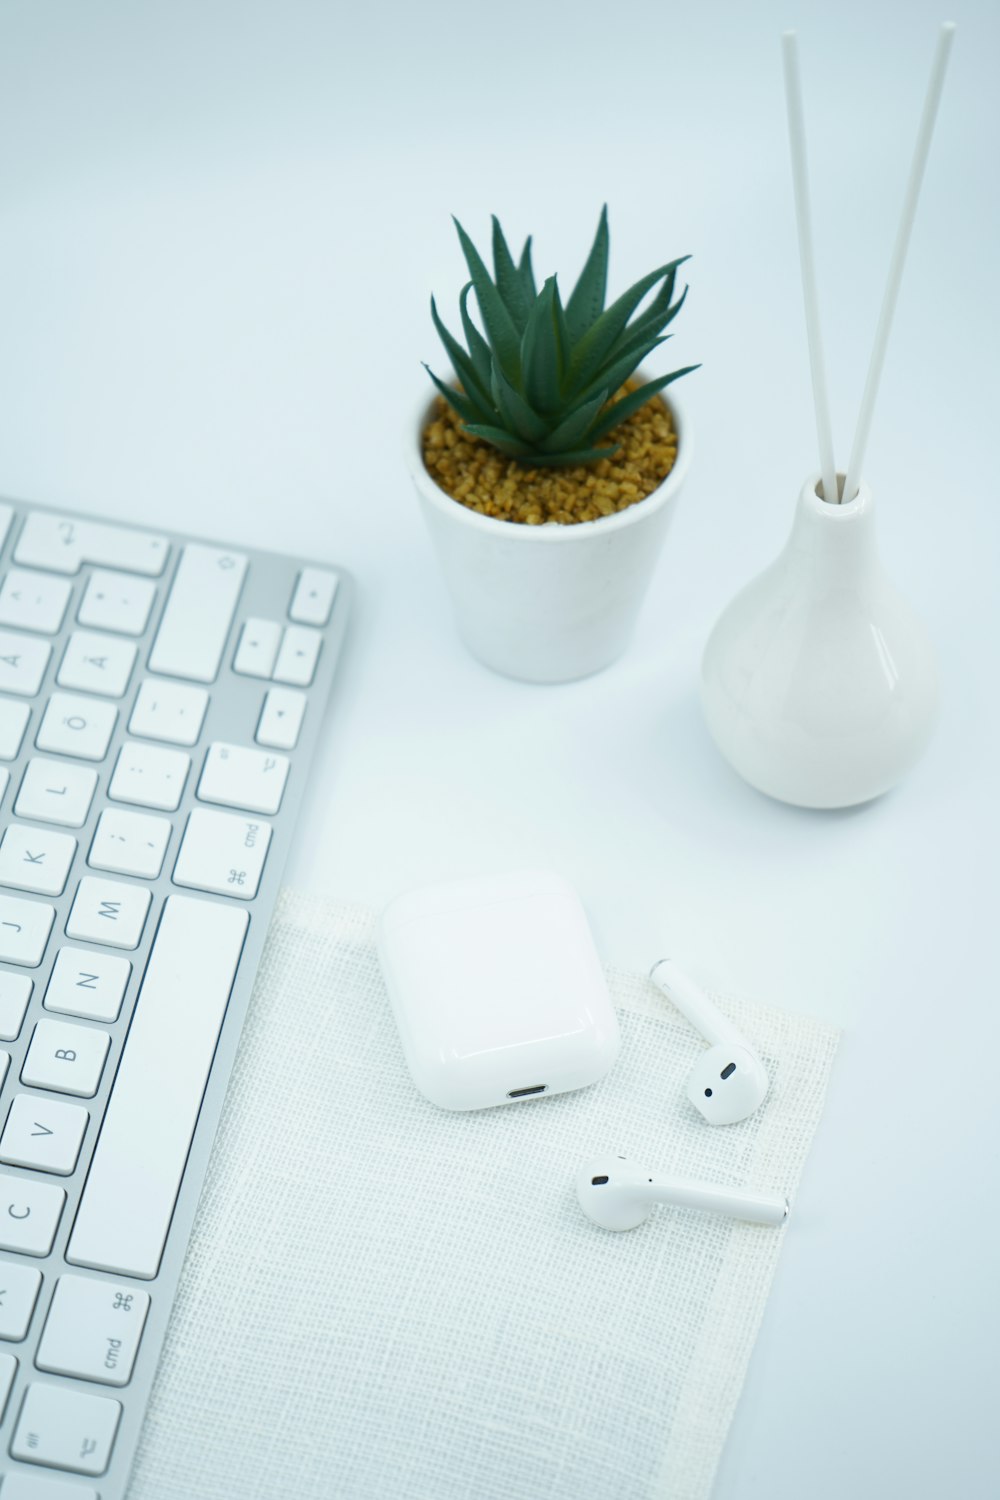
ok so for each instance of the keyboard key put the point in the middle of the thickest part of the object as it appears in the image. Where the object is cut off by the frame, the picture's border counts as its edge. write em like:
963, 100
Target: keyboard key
88, 984
44, 1134
149, 777
105, 911
116, 601
34, 859
8, 1369
68, 1059
168, 711
18, 1295
27, 1487
29, 1214
298, 656
196, 622
23, 659
24, 930
281, 718
93, 1330
6, 517
4, 778
222, 853
13, 722
54, 792
313, 598
65, 1429
97, 663
128, 1199
63, 543
237, 777
33, 601
257, 651
15, 992
129, 843
77, 726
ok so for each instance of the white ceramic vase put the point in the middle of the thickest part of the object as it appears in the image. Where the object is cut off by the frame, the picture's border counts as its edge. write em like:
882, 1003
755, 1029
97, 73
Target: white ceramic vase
819, 683
547, 603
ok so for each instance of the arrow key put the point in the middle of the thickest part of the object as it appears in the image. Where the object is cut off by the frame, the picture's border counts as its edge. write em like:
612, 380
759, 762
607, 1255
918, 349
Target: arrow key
281, 719
44, 1134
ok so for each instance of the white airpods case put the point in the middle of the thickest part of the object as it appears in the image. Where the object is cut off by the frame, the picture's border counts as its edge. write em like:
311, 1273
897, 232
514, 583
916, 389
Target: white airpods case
497, 989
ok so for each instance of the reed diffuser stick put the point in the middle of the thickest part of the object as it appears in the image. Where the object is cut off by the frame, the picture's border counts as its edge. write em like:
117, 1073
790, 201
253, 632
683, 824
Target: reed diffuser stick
800, 180
934, 87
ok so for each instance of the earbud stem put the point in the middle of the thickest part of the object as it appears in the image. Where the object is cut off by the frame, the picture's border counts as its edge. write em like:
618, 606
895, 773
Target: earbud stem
694, 1005
754, 1208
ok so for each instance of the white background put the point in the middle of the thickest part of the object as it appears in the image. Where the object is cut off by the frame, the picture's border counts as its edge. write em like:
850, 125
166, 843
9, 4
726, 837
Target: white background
220, 224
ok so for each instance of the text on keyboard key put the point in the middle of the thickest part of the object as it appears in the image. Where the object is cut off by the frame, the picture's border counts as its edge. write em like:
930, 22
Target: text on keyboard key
20, 1293
43, 1134
14, 718
298, 656
97, 663
29, 1214
87, 983
128, 1198
24, 930
23, 659
66, 1058
63, 543
281, 718
149, 776
116, 601
93, 1330
199, 613
222, 853
237, 777
35, 859
169, 711
77, 726
65, 1429
33, 601
53, 791
106, 911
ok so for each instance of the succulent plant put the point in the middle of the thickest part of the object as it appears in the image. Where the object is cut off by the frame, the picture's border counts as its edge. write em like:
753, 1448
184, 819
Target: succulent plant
538, 384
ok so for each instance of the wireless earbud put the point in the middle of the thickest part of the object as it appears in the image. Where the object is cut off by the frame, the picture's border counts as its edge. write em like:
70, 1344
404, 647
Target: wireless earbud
617, 1194
729, 1081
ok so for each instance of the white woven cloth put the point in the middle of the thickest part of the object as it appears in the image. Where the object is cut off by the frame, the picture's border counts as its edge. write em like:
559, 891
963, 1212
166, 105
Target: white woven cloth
385, 1301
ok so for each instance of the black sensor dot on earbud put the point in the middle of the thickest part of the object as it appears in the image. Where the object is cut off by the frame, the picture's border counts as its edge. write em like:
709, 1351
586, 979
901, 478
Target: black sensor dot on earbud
708, 1093
729, 1068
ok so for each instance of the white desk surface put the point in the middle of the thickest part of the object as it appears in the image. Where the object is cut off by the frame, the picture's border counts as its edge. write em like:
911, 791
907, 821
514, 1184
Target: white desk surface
219, 230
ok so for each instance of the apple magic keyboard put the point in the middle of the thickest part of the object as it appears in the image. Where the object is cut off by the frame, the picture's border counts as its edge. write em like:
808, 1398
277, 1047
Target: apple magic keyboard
160, 703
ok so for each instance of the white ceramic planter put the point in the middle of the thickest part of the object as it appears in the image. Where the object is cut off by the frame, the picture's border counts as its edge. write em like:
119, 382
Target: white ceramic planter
547, 603
819, 683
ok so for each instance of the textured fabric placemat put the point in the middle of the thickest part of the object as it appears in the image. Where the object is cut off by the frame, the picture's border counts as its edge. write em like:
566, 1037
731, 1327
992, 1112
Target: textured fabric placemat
385, 1301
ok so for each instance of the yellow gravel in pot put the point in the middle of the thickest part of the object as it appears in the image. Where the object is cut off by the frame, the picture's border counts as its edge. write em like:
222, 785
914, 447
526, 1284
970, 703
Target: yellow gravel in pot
477, 475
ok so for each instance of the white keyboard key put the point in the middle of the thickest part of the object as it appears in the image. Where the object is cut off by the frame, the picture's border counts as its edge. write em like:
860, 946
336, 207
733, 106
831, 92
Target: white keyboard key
313, 599
128, 1199
97, 663
23, 659
93, 1330
54, 792
108, 912
68, 1059
8, 1369
34, 859
15, 992
168, 711
89, 984
222, 853
24, 930
27, 1487
281, 718
33, 601
18, 1295
298, 656
4, 1065
128, 843
44, 1134
149, 776
14, 718
77, 726
237, 777
196, 622
29, 1214
6, 516
64, 543
257, 651
65, 1429
4, 779
116, 601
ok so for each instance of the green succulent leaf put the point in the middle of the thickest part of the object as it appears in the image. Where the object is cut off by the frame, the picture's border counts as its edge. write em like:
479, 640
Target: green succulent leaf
586, 301
541, 354
574, 428
516, 297
497, 437
479, 349
634, 400
617, 371
466, 409
525, 271
600, 338
500, 329
464, 367
575, 456
517, 414
659, 315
